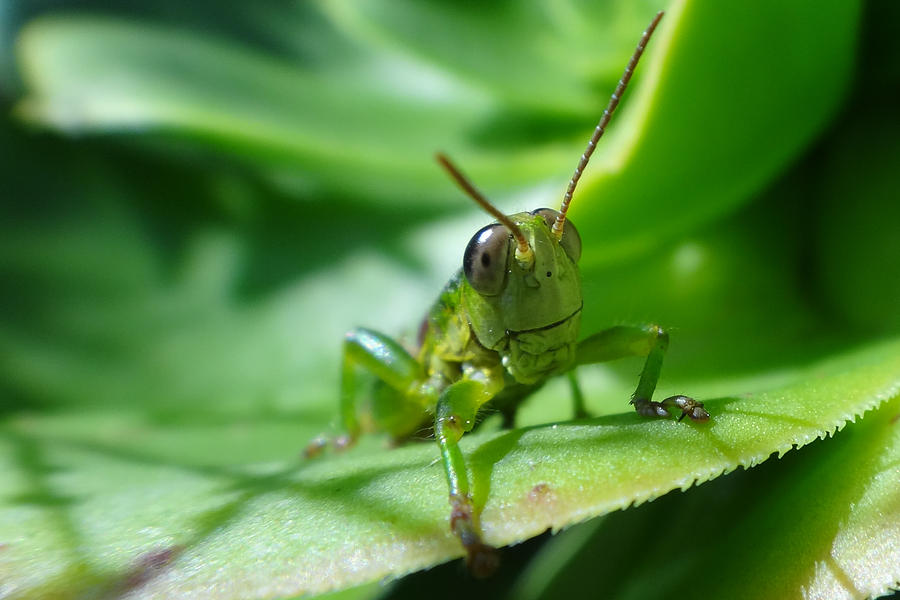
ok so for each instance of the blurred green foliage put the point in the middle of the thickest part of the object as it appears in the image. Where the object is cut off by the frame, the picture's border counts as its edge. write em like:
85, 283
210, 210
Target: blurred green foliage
198, 202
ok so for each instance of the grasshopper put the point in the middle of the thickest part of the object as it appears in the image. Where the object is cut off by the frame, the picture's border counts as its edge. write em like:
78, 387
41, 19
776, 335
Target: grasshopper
501, 327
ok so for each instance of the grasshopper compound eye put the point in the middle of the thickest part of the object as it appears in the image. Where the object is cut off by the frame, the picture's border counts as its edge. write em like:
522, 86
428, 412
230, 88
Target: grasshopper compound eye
570, 241
484, 262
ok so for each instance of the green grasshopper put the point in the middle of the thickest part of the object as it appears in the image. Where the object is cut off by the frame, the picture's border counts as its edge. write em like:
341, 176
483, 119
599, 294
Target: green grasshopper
501, 327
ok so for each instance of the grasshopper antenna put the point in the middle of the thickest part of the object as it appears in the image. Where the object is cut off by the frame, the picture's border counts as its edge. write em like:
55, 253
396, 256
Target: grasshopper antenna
524, 254
604, 121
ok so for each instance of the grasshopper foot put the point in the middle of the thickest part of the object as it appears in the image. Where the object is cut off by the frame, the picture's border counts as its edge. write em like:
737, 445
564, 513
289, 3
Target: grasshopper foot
688, 406
481, 559
320, 443
315, 447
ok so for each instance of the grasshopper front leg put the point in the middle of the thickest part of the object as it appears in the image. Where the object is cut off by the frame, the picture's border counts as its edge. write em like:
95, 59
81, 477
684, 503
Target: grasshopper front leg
455, 415
650, 341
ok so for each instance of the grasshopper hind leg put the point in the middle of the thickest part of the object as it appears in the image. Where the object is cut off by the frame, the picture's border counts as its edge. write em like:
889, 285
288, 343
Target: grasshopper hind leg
392, 406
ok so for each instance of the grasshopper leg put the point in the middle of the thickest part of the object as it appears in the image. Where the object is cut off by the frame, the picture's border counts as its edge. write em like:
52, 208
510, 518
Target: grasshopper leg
580, 409
455, 415
387, 360
650, 341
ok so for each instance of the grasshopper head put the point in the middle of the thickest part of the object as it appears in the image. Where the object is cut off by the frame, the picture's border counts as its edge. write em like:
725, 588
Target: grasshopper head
529, 312
523, 290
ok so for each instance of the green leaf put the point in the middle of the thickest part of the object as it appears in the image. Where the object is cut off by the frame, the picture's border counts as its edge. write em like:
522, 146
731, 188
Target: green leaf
705, 137
819, 523
96, 496
857, 259
170, 340
513, 92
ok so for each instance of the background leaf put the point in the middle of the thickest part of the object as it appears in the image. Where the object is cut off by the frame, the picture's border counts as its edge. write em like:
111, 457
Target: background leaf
701, 121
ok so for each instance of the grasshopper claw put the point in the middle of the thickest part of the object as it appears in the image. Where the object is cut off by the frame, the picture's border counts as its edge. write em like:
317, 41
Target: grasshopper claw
482, 560
689, 408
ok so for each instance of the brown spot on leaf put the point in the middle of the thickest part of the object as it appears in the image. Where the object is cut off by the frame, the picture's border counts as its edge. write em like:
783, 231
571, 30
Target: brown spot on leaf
149, 565
542, 493
540, 503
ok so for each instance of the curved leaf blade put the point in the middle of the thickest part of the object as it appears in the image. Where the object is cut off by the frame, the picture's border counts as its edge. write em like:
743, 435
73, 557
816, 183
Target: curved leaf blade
694, 139
281, 529
720, 114
820, 523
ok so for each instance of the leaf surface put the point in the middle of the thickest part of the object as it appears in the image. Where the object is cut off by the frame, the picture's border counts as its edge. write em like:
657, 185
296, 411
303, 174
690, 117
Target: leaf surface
95, 497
